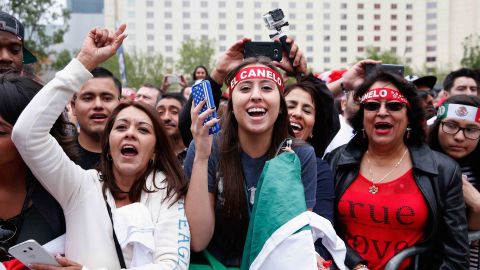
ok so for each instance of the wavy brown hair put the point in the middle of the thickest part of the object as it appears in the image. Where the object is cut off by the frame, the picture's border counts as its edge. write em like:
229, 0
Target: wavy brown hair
164, 161
234, 212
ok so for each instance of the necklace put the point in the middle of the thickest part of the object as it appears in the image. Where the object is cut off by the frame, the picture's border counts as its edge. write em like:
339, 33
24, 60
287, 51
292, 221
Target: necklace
374, 189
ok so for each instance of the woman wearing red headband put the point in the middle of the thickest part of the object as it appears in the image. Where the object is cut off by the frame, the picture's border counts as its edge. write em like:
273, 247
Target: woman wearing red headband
456, 133
224, 170
392, 191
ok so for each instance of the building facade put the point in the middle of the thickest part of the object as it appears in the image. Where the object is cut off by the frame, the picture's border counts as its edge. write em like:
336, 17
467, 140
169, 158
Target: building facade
425, 34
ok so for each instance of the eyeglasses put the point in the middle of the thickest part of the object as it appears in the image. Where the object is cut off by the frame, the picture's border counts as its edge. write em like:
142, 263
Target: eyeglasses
390, 106
453, 128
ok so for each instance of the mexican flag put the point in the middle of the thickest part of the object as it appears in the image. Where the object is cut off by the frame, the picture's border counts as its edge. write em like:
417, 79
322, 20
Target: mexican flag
282, 231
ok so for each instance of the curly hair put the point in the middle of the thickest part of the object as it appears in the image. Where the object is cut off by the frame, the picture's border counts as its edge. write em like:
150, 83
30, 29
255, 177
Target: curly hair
415, 114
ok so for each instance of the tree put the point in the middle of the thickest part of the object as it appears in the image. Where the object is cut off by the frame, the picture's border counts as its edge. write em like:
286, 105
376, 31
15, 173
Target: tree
194, 53
62, 59
45, 21
140, 68
386, 57
471, 52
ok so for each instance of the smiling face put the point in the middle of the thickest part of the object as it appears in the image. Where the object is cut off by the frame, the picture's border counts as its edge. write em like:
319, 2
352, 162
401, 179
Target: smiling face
132, 143
94, 104
457, 145
383, 126
200, 73
256, 104
301, 111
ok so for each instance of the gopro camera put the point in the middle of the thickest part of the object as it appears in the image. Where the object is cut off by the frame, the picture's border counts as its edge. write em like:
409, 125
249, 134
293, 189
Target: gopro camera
275, 20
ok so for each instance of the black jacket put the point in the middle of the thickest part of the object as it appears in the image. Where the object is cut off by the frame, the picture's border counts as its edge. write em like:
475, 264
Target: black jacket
438, 178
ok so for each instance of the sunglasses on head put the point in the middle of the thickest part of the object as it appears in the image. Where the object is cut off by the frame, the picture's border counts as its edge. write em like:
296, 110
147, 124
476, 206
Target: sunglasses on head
391, 106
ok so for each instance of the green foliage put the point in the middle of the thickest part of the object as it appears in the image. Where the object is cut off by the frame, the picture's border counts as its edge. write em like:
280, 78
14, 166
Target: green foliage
62, 59
140, 67
194, 53
386, 57
471, 52
38, 17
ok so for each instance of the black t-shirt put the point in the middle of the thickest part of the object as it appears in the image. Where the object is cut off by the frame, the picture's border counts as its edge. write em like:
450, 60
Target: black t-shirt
87, 160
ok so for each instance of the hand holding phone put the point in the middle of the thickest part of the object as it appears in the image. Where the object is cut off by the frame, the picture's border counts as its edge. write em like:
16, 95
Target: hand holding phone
392, 68
203, 90
272, 50
30, 252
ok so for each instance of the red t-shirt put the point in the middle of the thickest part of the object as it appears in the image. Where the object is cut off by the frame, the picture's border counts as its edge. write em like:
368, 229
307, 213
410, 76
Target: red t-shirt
380, 225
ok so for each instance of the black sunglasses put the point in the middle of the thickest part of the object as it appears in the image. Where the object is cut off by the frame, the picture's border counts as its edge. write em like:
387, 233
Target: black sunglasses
391, 106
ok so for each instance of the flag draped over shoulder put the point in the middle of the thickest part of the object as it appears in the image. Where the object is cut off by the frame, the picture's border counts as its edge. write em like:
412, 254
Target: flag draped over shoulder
281, 232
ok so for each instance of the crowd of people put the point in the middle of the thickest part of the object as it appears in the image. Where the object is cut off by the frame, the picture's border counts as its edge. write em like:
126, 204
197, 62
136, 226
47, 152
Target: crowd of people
137, 181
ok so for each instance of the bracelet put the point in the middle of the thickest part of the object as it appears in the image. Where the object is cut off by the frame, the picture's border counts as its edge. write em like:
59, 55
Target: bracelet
360, 267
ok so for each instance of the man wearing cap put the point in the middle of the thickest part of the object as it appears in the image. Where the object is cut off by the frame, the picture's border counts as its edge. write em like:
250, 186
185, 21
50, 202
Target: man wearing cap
425, 86
13, 53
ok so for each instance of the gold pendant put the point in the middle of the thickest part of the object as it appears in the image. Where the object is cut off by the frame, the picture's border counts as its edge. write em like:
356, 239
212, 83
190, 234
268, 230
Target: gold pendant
373, 189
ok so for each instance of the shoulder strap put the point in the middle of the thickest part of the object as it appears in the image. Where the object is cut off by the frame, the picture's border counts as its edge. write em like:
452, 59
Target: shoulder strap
121, 260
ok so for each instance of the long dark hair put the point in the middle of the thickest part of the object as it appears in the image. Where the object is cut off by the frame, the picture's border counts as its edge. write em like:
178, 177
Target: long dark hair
15, 94
326, 115
414, 111
472, 158
234, 212
194, 77
165, 160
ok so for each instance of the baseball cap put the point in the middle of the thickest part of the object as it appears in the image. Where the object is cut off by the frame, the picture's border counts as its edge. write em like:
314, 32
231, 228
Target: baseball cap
10, 24
425, 80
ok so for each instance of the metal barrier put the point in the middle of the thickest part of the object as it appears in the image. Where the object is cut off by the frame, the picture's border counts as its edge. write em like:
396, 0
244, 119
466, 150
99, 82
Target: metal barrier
395, 262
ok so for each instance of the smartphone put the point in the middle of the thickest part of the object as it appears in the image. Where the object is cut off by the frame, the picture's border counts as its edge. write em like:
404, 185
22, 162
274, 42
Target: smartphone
172, 79
30, 251
272, 50
396, 69
203, 90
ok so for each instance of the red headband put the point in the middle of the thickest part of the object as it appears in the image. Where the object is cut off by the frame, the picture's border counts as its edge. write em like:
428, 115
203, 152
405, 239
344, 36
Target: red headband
384, 93
256, 72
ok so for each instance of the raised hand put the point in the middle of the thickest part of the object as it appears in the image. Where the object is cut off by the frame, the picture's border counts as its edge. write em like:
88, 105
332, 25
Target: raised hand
299, 62
99, 45
203, 141
232, 57
356, 74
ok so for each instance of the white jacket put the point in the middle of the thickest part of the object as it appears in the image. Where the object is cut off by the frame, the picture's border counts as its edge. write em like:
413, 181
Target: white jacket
89, 239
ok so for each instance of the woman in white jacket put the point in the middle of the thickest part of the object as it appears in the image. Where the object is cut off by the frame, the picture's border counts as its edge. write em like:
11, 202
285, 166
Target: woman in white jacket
140, 179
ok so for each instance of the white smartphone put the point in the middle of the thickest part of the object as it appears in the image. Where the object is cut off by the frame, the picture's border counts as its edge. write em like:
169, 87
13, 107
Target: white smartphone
30, 251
